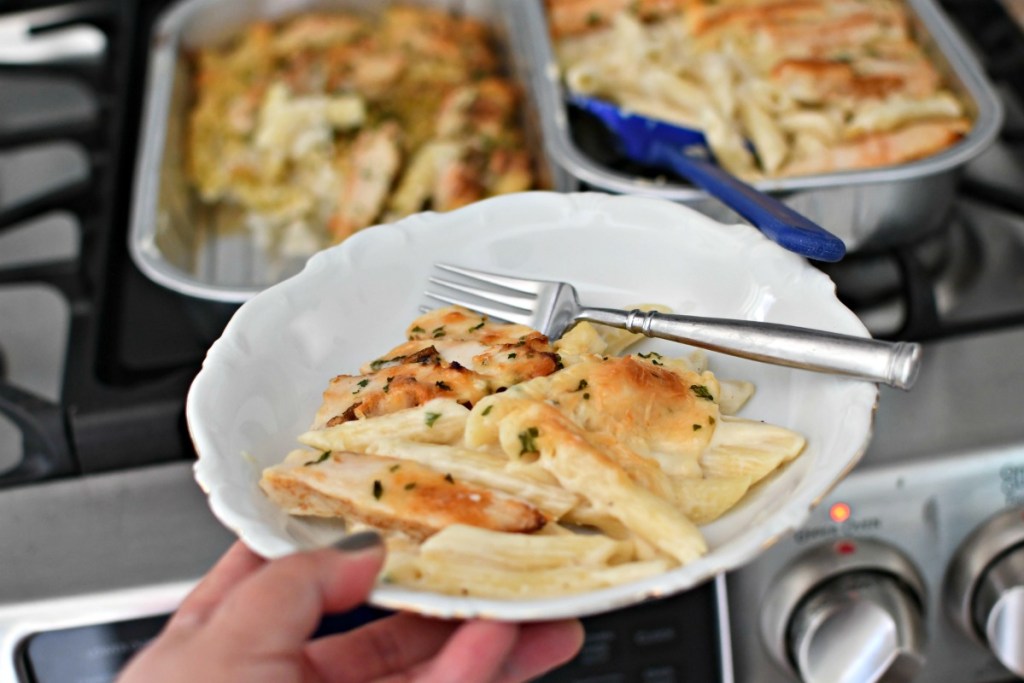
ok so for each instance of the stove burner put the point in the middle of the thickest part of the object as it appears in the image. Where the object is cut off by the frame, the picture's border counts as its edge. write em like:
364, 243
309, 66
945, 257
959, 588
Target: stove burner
906, 292
866, 281
965, 278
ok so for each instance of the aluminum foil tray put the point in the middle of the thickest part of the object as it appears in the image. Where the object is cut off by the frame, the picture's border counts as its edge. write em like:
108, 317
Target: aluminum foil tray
182, 244
869, 209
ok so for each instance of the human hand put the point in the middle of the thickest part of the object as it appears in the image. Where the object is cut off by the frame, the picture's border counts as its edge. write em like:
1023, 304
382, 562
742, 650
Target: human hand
251, 620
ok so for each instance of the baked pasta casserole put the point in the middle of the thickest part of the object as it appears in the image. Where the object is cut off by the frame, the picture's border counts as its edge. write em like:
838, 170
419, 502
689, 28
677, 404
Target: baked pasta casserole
500, 464
313, 128
778, 87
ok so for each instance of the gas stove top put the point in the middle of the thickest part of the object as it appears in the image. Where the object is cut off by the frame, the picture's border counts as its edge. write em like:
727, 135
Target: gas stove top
103, 520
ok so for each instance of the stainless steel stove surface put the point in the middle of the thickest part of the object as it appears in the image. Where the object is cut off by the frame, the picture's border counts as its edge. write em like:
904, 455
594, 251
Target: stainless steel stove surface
104, 530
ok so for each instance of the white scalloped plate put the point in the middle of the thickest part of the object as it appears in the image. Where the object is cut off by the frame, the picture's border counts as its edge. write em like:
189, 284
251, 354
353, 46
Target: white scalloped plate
262, 380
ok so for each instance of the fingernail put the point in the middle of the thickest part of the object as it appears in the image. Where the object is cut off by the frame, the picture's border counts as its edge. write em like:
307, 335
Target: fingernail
363, 540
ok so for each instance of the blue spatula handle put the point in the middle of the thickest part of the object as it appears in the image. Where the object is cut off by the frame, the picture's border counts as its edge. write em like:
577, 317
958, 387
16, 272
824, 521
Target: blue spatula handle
778, 222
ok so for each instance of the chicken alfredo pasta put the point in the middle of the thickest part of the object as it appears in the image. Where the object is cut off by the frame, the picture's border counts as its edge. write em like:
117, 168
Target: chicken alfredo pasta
501, 465
316, 127
779, 87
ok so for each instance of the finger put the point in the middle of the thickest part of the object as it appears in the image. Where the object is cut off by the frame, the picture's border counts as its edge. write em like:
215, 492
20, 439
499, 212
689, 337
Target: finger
277, 608
382, 648
237, 563
540, 648
476, 652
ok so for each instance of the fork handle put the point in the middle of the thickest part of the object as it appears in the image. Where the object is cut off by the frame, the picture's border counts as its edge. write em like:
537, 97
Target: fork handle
892, 363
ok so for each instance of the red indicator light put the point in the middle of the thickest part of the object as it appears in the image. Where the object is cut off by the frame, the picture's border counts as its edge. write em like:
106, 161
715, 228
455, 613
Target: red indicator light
839, 512
846, 547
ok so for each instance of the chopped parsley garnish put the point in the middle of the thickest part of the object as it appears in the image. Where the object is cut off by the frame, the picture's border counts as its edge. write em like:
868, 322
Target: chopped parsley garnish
431, 418
323, 456
378, 489
511, 355
362, 385
410, 486
449, 478
478, 325
442, 386
701, 391
582, 385
417, 330
437, 332
488, 409
696, 428
527, 438
380, 362
394, 468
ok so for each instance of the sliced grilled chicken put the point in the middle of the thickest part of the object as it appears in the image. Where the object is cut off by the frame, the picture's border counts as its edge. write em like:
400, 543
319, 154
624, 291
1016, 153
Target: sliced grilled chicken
451, 353
373, 165
914, 141
391, 494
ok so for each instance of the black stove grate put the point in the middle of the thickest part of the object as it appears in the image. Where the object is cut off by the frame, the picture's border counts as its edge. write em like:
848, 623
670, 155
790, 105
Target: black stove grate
133, 348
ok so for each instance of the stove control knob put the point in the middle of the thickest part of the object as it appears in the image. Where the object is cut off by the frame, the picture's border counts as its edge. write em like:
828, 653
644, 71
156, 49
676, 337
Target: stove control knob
856, 628
847, 612
984, 588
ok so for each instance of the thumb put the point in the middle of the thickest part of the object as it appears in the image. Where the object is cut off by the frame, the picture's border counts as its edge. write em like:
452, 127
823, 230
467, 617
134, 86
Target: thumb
278, 607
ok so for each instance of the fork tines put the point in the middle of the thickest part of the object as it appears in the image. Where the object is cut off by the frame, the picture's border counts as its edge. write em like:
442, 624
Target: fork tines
515, 298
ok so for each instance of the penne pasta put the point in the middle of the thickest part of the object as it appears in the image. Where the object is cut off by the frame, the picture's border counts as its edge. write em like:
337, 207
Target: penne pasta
481, 468
590, 471
308, 127
787, 81
749, 448
705, 499
438, 421
526, 552
583, 469
440, 573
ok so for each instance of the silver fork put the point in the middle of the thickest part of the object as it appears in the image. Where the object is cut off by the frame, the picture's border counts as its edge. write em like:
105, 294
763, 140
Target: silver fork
554, 307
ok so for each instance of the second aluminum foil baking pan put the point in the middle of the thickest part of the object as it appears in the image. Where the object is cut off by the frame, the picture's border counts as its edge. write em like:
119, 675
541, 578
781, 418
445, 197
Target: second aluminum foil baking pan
175, 239
869, 209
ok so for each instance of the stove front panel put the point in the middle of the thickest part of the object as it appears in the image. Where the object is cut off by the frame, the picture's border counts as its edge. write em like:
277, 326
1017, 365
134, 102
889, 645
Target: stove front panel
947, 456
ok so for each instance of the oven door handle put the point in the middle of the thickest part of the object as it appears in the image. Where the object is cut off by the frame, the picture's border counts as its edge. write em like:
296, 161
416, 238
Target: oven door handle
46, 450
